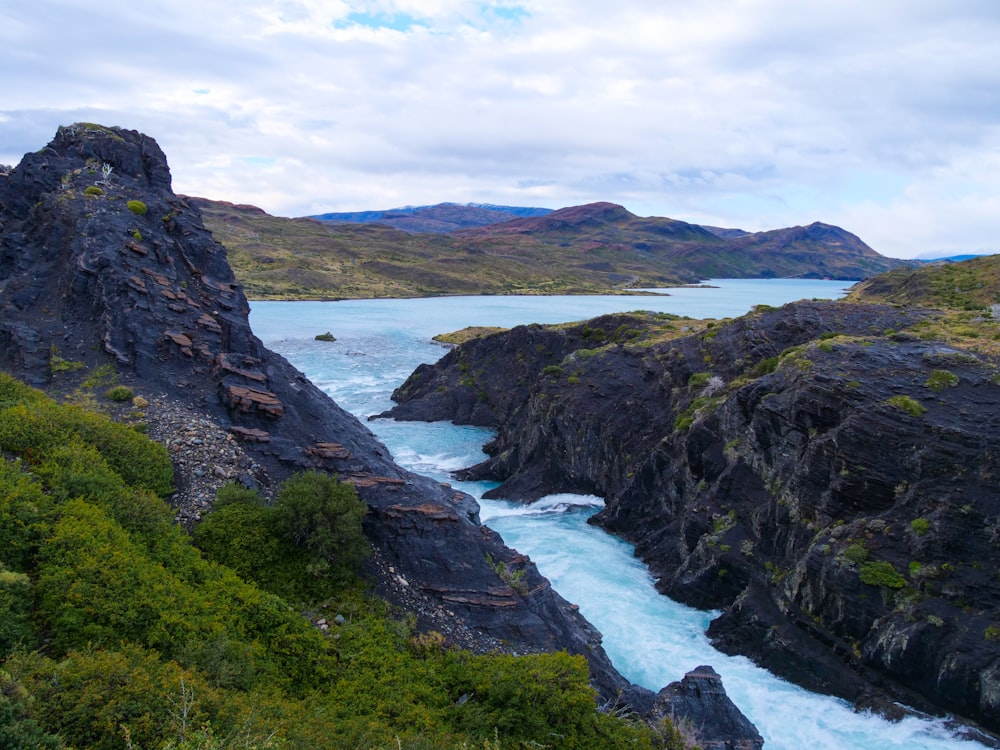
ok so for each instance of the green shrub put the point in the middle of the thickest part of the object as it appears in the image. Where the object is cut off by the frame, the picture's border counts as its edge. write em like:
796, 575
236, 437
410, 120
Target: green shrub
234, 492
119, 393
905, 403
94, 696
93, 190
765, 367
700, 406
881, 573
15, 610
19, 730
243, 533
58, 364
699, 379
535, 698
938, 380
137, 207
22, 506
105, 375
920, 526
856, 553
324, 517
552, 371
13, 391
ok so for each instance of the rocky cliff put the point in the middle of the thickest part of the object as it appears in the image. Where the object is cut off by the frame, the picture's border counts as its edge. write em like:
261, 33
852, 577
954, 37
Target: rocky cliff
102, 264
824, 473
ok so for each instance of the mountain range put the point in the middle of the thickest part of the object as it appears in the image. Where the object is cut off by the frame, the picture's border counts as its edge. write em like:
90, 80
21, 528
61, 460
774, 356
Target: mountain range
439, 218
598, 248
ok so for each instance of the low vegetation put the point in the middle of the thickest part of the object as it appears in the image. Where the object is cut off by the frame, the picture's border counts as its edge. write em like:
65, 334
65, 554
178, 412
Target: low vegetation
969, 285
117, 631
137, 207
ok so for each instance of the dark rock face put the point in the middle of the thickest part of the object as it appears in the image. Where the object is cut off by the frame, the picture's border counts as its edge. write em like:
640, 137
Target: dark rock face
90, 277
830, 486
702, 701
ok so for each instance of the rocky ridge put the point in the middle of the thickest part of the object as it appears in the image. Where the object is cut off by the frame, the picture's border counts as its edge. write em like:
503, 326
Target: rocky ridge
820, 474
102, 264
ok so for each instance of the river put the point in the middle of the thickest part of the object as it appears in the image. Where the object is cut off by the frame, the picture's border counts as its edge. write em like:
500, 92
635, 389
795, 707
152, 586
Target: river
651, 639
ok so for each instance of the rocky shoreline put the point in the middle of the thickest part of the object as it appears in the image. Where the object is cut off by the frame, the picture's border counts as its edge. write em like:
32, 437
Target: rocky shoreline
820, 475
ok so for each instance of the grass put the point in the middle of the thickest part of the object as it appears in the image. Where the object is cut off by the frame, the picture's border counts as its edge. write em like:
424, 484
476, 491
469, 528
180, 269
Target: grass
970, 285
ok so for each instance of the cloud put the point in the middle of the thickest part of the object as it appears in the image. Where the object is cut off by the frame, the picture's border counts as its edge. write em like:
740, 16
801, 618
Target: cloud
751, 113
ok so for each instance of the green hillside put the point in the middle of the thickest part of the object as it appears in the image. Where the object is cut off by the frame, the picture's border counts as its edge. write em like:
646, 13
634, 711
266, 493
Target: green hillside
600, 248
966, 294
968, 285
279, 258
117, 632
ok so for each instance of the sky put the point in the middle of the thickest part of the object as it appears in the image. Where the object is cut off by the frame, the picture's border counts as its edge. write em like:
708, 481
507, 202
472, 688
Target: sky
879, 116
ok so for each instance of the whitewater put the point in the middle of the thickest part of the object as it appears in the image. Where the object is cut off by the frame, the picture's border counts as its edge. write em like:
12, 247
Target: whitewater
651, 639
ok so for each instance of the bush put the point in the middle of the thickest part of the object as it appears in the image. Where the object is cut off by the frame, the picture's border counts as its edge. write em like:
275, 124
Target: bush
244, 534
905, 403
881, 573
702, 405
93, 190
856, 553
13, 391
324, 516
539, 697
137, 207
18, 729
699, 379
938, 380
764, 367
40, 425
920, 526
15, 610
119, 393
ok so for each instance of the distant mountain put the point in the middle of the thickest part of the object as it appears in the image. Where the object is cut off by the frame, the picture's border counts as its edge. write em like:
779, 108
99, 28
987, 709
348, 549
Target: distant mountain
614, 235
439, 218
598, 248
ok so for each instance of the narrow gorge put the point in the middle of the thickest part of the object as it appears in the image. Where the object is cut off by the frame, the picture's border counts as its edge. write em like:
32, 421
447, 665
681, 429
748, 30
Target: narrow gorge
824, 473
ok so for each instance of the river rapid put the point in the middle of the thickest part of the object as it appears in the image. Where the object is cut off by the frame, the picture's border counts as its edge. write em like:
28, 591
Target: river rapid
650, 639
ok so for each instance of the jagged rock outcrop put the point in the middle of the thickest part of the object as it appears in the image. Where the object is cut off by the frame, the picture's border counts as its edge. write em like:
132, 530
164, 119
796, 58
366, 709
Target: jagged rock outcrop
102, 264
827, 482
708, 718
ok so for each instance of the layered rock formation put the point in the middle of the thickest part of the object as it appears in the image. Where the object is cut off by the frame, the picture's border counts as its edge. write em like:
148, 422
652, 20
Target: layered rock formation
827, 482
102, 264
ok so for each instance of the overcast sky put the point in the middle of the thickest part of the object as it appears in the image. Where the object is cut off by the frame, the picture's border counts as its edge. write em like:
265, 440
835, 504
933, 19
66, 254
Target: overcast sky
880, 116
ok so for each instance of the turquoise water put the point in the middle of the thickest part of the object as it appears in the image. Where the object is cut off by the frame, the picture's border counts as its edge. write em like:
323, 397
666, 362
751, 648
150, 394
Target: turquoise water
651, 639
